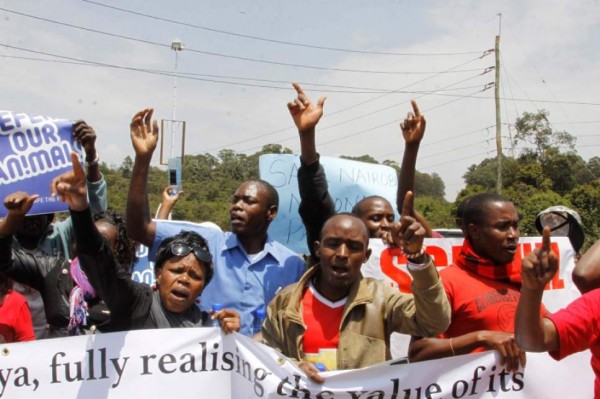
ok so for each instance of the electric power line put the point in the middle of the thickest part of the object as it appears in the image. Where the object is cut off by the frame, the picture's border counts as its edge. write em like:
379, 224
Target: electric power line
240, 58
274, 40
358, 89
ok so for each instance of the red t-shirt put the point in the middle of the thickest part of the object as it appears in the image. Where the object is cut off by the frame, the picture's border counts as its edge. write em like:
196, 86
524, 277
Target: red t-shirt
322, 319
479, 303
15, 319
578, 327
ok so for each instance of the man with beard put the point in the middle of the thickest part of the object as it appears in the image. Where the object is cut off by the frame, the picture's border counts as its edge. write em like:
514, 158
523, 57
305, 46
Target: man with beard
250, 267
482, 286
337, 317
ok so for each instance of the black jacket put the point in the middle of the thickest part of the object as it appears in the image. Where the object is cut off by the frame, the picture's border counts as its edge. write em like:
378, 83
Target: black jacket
51, 276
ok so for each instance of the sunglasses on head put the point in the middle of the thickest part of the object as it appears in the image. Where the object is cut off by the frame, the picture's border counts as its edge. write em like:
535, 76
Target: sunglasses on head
201, 254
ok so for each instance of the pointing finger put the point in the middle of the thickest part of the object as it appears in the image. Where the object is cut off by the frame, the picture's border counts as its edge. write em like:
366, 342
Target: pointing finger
77, 168
546, 239
407, 205
415, 108
298, 88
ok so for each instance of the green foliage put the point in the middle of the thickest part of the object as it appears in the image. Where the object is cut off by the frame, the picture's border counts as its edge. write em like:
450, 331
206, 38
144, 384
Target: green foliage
546, 172
535, 129
586, 201
429, 185
486, 173
593, 166
210, 181
362, 158
530, 205
437, 211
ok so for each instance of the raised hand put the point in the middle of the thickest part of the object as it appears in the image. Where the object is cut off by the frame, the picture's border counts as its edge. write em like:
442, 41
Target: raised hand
305, 114
71, 186
507, 347
169, 196
540, 265
413, 127
86, 135
19, 203
144, 133
408, 234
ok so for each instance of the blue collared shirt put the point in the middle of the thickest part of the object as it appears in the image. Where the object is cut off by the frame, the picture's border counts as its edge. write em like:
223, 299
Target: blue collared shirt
238, 283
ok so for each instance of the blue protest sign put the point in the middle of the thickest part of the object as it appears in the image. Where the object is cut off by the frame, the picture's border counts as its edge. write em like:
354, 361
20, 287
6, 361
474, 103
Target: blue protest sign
349, 182
34, 150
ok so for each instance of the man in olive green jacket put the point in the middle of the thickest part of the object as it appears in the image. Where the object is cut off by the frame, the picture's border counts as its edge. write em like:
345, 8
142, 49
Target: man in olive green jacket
336, 317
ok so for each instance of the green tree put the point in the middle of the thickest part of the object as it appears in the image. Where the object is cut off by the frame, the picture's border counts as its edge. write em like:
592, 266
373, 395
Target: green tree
534, 129
362, 158
586, 201
437, 211
429, 185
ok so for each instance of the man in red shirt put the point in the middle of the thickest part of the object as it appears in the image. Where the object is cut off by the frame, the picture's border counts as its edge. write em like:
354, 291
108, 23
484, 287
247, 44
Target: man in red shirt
482, 286
570, 330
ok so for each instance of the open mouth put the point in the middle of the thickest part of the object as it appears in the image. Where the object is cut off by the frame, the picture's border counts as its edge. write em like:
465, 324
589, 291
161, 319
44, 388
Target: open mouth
235, 218
340, 272
180, 294
511, 249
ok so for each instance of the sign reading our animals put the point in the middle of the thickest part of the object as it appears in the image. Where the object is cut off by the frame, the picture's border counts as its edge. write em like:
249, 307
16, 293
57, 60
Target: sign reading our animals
34, 150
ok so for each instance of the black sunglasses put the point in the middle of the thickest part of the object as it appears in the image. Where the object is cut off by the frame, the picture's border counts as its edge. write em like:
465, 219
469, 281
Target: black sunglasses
201, 254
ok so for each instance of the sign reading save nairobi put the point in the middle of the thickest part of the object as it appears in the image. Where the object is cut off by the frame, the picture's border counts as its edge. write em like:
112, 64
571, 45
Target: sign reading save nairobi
349, 182
34, 150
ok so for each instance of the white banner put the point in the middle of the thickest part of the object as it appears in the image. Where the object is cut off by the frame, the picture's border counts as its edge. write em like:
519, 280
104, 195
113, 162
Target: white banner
389, 264
201, 363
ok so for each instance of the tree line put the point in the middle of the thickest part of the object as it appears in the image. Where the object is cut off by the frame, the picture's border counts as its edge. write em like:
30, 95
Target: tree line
544, 170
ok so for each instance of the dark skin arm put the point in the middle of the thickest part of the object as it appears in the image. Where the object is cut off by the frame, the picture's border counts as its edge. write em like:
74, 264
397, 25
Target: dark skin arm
437, 348
413, 130
535, 333
586, 274
17, 204
168, 202
408, 234
306, 116
86, 135
144, 137
316, 205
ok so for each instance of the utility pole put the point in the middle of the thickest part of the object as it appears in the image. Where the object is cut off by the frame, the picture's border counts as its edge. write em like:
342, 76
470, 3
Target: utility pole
498, 121
176, 46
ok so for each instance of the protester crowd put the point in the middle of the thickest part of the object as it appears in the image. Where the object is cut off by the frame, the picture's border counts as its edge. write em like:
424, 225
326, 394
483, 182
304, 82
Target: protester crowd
72, 277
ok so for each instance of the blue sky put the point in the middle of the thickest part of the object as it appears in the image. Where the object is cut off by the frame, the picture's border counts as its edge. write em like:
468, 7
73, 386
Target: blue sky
548, 48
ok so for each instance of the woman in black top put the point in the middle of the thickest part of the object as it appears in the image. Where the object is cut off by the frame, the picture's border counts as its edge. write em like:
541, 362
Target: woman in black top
71, 306
183, 268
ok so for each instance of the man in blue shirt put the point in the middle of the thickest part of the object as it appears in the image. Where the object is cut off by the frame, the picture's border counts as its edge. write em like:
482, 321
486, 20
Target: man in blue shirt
250, 267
